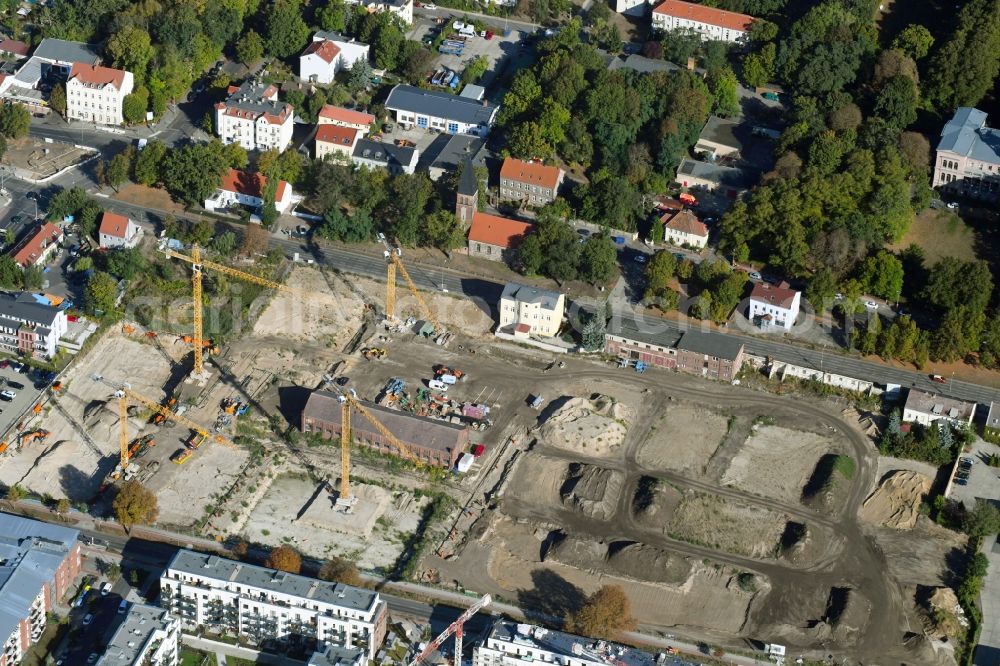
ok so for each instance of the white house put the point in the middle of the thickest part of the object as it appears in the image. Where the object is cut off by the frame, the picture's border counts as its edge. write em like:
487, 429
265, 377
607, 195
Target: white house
240, 188
118, 231
30, 327
376, 155
95, 94
351, 50
774, 307
528, 311
338, 115
632, 7
710, 23
927, 408
267, 604
684, 228
320, 62
513, 644
148, 636
253, 117
402, 9
441, 111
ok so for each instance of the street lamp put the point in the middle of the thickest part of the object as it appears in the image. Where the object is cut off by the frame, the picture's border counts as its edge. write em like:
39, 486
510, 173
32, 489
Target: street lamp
35, 199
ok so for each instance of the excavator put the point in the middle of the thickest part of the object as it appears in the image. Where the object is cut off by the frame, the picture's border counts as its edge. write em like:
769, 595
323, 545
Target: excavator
374, 353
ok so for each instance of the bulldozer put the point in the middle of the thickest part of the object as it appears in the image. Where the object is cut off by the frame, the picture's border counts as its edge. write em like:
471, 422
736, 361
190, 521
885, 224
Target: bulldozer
27, 437
374, 353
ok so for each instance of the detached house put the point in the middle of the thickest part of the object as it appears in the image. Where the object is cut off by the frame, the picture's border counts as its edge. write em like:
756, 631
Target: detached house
402, 9
240, 188
336, 140
336, 115
531, 182
118, 231
528, 311
684, 228
253, 117
95, 94
708, 22
773, 307
328, 54
37, 245
492, 236
927, 408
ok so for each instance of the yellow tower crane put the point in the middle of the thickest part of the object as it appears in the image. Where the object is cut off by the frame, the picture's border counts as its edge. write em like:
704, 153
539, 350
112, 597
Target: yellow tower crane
393, 262
349, 402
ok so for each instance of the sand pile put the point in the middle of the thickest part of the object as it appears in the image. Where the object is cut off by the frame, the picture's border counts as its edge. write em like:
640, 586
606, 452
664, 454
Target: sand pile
896, 502
847, 613
627, 559
593, 491
945, 619
595, 427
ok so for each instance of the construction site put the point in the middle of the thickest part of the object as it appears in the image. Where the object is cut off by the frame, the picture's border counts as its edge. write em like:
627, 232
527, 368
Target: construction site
724, 513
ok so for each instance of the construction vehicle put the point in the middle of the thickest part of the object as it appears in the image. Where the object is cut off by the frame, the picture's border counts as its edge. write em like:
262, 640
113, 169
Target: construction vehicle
181, 456
457, 628
374, 353
160, 418
195, 440
27, 437
349, 402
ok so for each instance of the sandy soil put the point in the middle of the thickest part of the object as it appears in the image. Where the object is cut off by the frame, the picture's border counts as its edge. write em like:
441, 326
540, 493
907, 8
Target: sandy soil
591, 427
187, 490
627, 559
317, 534
538, 481
896, 502
683, 439
324, 309
743, 530
919, 556
777, 462
706, 599
593, 491
469, 315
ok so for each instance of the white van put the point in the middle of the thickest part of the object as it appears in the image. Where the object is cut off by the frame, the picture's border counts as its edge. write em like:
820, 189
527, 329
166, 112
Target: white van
439, 386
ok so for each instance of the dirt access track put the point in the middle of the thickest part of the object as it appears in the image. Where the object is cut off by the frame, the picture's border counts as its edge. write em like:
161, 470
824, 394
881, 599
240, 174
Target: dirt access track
825, 587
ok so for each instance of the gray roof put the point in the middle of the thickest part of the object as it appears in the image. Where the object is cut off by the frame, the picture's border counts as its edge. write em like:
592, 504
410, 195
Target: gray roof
966, 134
250, 97
455, 150
335, 655
30, 554
578, 647
527, 294
60, 50
710, 344
939, 406
472, 91
467, 183
23, 307
993, 417
642, 64
426, 432
715, 173
213, 566
383, 153
651, 331
440, 105
135, 633
722, 131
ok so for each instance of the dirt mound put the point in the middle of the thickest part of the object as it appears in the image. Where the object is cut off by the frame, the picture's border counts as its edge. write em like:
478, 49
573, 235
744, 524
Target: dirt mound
595, 426
896, 502
847, 613
593, 491
627, 559
944, 618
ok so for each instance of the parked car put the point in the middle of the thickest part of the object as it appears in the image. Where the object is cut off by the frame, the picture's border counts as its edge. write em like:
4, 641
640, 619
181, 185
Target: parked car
7, 396
871, 305
340, 381
87, 619
105, 589
639, 258
16, 385
952, 205
754, 275
437, 385
122, 607
92, 659
431, 6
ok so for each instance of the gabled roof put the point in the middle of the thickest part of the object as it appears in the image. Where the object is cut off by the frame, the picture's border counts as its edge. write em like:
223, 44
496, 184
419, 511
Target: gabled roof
256, 100
97, 76
249, 184
703, 14
496, 230
440, 105
710, 344
14, 46
384, 153
781, 296
337, 134
966, 134
113, 224
532, 173
61, 50
686, 223
342, 115
27, 252
325, 49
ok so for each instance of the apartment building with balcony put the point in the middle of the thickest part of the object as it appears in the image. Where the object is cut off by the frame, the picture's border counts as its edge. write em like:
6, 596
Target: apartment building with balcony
148, 636
39, 563
30, 328
267, 605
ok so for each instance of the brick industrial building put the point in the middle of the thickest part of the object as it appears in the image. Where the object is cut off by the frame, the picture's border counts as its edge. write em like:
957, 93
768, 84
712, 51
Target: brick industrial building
434, 442
38, 565
707, 355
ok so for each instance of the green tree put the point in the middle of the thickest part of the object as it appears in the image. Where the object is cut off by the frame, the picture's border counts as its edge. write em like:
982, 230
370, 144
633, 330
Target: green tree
193, 172
915, 41
287, 32
475, 69
361, 75
529, 255
982, 521
118, 168
149, 163
418, 64
592, 335
250, 48
953, 282
598, 259
224, 244
34, 277
821, 289
897, 102
605, 614
235, 155
758, 68
125, 263
723, 84
11, 276
135, 505
15, 120
57, 98
134, 106
443, 230
67, 202
963, 68
882, 276
100, 294
131, 49
659, 273
333, 16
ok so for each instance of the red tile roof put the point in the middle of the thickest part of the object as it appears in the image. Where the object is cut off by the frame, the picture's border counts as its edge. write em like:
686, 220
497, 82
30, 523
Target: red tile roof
113, 224
96, 75
496, 230
340, 114
534, 173
686, 223
781, 296
703, 14
337, 134
249, 184
325, 49
523, 328
29, 250
14, 46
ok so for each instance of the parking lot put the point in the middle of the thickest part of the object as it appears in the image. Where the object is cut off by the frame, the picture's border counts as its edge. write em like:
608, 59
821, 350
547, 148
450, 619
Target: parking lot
24, 399
497, 50
982, 479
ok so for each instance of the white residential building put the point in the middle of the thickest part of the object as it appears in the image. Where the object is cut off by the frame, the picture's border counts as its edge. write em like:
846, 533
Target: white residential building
95, 94
320, 62
710, 23
402, 9
530, 312
30, 327
774, 307
684, 228
512, 644
266, 604
377, 155
148, 636
927, 408
253, 117
441, 111
118, 231
349, 50
338, 115
240, 188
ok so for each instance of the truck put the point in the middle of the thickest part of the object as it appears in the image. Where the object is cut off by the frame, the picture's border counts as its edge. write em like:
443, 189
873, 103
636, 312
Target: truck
195, 440
181, 456
464, 463
437, 385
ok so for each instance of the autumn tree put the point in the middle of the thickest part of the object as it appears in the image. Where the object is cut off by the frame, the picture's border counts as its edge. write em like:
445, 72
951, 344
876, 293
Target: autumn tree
134, 504
339, 570
605, 614
284, 558
254, 240
57, 98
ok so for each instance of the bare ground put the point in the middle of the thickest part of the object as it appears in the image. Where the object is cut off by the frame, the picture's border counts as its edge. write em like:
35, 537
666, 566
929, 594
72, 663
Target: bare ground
710, 520
590, 427
925, 555
683, 439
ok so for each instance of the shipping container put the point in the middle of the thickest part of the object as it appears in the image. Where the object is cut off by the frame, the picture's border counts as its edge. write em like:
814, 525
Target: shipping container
464, 463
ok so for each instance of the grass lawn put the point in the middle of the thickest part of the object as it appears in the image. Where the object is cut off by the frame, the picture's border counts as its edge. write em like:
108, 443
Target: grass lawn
191, 657
36, 655
941, 233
